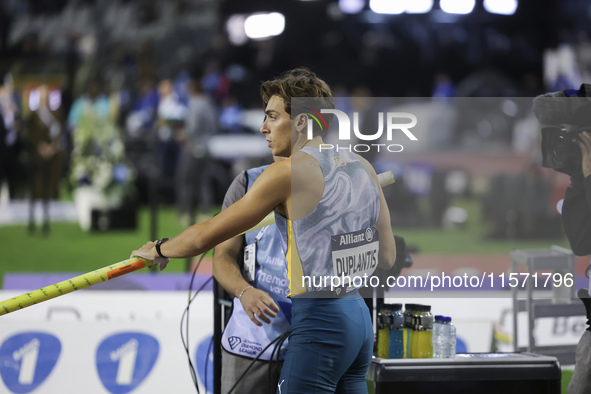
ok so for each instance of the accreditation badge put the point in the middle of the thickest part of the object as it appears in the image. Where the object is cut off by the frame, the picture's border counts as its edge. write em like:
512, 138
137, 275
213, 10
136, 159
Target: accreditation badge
249, 262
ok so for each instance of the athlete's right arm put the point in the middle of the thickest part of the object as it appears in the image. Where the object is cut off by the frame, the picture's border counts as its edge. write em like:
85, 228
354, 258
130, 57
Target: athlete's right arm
271, 189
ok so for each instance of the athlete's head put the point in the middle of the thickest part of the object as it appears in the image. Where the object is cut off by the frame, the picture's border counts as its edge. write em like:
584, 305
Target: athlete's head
277, 100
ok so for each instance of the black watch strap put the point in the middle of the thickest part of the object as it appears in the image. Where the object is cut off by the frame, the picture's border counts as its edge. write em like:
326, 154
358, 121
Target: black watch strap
158, 243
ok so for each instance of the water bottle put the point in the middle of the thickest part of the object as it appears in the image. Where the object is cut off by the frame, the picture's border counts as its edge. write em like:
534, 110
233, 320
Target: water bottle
437, 336
396, 343
448, 338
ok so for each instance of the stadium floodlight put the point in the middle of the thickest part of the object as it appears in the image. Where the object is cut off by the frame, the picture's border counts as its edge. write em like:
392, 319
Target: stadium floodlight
503, 7
387, 6
418, 6
351, 6
258, 26
457, 6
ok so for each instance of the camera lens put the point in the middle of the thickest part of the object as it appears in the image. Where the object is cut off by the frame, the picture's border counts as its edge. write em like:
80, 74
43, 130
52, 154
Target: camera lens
558, 149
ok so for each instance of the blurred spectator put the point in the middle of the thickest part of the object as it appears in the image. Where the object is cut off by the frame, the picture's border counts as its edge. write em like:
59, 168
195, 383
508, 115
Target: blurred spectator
43, 140
231, 116
9, 137
216, 83
561, 70
443, 86
170, 106
192, 175
93, 101
140, 121
181, 85
171, 115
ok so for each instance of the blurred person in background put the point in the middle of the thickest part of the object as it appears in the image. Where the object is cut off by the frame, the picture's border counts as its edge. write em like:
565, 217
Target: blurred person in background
9, 137
92, 103
169, 126
252, 268
231, 116
443, 86
141, 119
215, 82
192, 187
43, 131
182, 81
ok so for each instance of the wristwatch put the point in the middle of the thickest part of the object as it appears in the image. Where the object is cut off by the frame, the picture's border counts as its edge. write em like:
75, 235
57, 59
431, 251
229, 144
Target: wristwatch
158, 243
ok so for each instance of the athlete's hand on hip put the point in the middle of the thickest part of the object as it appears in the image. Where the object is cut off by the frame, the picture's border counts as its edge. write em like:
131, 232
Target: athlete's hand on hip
259, 305
148, 251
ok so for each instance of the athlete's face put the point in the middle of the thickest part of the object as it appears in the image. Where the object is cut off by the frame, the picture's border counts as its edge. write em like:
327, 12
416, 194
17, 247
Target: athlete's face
277, 127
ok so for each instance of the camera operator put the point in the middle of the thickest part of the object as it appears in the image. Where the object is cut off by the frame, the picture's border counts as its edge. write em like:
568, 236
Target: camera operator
572, 107
576, 215
576, 210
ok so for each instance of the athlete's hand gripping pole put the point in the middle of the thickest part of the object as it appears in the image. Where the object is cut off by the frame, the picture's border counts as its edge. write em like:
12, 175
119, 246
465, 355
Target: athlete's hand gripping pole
112, 271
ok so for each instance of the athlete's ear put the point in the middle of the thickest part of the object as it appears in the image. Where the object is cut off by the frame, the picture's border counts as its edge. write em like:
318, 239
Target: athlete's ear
301, 122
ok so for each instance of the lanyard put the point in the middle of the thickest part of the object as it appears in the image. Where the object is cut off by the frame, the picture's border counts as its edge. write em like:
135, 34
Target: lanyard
260, 234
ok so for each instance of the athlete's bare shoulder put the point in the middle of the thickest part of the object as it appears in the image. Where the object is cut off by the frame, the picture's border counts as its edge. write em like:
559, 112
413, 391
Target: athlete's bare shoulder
304, 168
302, 161
277, 174
279, 168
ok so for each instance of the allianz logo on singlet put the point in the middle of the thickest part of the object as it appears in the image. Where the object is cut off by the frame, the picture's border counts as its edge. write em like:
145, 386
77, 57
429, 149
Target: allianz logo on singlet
347, 239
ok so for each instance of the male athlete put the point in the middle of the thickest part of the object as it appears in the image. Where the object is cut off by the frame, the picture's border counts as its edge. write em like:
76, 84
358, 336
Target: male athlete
333, 200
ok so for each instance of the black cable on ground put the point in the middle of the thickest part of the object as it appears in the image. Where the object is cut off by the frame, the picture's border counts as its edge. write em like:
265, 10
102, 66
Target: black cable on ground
185, 339
254, 361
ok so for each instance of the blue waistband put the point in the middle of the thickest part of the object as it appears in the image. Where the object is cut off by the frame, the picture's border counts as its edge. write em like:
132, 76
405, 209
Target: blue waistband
315, 296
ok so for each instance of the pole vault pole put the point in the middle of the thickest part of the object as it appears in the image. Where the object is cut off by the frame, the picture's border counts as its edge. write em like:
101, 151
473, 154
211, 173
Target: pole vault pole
111, 271
79, 282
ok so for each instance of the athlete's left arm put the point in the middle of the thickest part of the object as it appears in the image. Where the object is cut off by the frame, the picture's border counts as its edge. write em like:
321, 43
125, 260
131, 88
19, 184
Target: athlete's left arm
272, 188
387, 254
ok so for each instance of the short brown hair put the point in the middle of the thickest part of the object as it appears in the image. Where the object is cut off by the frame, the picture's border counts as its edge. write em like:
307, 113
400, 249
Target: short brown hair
299, 82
